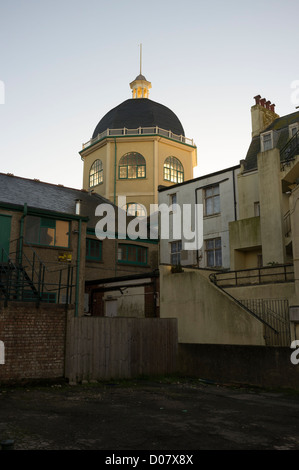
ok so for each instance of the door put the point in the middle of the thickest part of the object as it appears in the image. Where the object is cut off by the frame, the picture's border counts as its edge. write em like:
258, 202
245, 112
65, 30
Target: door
111, 307
5, 226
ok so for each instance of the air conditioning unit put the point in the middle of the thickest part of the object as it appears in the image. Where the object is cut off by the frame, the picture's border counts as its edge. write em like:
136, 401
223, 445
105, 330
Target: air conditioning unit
188, 258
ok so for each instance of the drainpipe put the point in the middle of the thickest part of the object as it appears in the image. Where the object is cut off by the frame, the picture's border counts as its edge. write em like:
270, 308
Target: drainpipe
234, 188
78, 269
22, 233
114, 200
115, 153
197, 255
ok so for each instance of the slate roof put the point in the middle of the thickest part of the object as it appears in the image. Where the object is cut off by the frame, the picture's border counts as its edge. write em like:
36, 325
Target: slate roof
46, 196
141, 112
281, 125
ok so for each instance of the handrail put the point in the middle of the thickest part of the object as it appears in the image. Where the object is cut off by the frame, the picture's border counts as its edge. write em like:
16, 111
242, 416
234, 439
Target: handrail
290, 149
280, 270
237, 301
138, 131
36, 280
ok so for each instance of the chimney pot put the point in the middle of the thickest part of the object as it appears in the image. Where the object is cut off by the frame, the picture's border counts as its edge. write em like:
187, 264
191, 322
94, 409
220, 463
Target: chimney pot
257, 99
272, 107
262, 102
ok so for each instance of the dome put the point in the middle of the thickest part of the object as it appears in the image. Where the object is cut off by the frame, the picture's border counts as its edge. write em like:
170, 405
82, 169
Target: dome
142, 112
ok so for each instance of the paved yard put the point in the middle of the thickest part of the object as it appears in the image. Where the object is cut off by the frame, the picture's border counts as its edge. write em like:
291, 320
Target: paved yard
152, 415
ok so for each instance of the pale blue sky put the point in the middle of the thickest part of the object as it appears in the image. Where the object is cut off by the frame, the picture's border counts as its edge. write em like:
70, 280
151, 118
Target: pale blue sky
66, 63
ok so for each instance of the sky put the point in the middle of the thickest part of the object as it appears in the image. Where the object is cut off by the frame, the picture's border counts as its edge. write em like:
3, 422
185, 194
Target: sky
64, 64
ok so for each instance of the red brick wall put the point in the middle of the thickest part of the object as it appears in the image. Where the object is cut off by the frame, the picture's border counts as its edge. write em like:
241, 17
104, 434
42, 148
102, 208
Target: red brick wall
34, 341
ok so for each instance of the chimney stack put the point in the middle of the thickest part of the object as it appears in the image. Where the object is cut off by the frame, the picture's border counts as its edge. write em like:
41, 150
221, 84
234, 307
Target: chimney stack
262, 115
78, 206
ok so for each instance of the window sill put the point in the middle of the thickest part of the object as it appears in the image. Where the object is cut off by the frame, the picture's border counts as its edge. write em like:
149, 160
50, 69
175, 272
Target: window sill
47, 247
124, 263
212, 215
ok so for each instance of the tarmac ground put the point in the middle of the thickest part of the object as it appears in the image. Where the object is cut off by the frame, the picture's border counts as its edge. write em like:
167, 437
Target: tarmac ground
167, 414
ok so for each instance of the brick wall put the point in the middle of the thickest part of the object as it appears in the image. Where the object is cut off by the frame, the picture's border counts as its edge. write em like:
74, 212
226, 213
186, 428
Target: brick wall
34, 340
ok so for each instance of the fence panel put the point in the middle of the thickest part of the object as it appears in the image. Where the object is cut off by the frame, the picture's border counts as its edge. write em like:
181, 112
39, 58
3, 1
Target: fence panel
100, 348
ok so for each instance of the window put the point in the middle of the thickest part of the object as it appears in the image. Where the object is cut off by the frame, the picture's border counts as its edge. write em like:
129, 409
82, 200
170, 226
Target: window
173, 170
293, 128
213, 252
96, 175
257, 209
47, 232
132, 166
132, 254
268, 140
136, 210
173, 199
212, 200
175, 253
93, 249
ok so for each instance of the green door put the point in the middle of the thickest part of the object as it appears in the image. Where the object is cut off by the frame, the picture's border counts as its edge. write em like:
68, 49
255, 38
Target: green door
5, 224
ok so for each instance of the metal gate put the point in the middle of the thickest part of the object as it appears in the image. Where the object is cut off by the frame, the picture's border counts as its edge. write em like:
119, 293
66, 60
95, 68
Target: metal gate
275, 312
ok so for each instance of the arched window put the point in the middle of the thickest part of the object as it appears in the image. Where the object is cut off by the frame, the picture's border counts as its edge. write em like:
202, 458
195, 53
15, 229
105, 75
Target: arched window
135, 210
96, 175
173, 170
132, 165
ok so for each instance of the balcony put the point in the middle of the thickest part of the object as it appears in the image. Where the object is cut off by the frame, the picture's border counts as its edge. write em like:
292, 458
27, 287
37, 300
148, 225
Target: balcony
290, 150
140, 131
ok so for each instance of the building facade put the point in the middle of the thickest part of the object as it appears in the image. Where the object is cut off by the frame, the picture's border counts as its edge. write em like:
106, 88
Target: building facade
269, 174
137, 146
218, 196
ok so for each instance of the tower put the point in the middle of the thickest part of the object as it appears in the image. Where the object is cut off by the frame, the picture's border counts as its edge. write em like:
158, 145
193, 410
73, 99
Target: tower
136, 147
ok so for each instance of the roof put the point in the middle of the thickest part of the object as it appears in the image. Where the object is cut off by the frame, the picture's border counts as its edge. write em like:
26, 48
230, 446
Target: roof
281, 125
140, 112
49, 197
198, 178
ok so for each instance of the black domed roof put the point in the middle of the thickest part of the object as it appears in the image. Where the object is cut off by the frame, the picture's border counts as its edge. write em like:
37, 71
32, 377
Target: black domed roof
140, 112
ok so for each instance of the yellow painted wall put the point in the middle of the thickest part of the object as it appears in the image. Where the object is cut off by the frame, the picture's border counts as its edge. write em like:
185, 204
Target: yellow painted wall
155, 149
248, 193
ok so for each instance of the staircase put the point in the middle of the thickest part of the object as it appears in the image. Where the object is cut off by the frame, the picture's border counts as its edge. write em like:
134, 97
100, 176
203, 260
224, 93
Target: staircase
15, 284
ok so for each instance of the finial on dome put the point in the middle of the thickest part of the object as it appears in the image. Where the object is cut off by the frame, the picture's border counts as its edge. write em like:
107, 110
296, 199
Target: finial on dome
140, 86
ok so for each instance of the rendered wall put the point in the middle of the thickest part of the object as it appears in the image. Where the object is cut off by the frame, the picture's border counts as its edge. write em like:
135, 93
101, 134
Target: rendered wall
205, 314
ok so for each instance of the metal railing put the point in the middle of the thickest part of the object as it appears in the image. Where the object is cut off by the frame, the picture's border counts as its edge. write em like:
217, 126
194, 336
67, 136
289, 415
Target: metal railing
25, 279
275, 312
137, 132
291, 149
254, 276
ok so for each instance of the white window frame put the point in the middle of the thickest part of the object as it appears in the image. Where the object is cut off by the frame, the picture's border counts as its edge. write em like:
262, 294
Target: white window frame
272, 140
177, 253
293, 128
212, 197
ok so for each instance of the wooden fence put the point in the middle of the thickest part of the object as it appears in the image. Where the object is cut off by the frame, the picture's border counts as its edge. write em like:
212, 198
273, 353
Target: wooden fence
100, 348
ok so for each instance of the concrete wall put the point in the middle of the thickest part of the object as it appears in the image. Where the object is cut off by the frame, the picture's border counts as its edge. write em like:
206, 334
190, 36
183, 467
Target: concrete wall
205, 314
271, 209
258, 366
